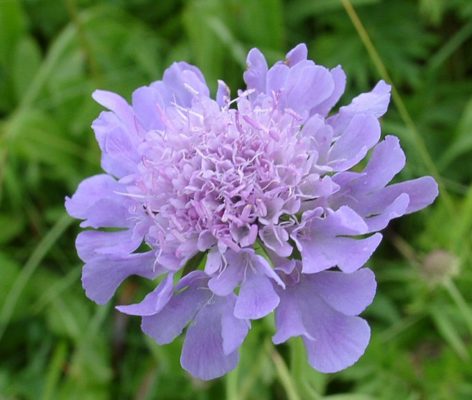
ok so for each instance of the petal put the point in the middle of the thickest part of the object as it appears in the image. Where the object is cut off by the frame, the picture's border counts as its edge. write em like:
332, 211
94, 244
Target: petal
288, 317
374, 102
297, 54
92, 243
96, 201
257, 296
422, 192
203, 355
339, 340
90, 191
276, 239
147, 102
118, 144
153, 302
117, 104
214, 261
166, 325
387, 160
307, 86
349, 294
276, 78
101, 276
333, 340
346, 253
360, 135
255, 75
185, 81
223, 94
233, 330
394, 210
339, 79
227, 280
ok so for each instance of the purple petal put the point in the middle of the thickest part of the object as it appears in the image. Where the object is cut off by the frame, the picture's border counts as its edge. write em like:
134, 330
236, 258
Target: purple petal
223, 95
166, 325
349, 294
276, 239
92, 243
148, 103
333, 340
233, 330
255, 75
394, 210
226, 281
339, 341
339, 78
297, 54
185, 81
203, 354
101, 276
346, 253
289, 317
214, 261
153, 302
422, 192
387, 160
90, 191
307, 86
360, 135
276, 78
118, 144
117, 104
374, 102
257, 296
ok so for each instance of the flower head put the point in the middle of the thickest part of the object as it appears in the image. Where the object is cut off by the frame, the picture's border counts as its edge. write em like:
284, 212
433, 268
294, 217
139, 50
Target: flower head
261, 186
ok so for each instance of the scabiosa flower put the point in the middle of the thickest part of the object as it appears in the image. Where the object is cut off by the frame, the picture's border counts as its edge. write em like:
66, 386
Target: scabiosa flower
252, 195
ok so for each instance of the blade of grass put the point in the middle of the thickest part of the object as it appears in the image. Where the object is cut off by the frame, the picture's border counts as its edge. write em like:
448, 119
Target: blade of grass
283, 373
399, 103
41, 250
231, 384
55, 370
460, 302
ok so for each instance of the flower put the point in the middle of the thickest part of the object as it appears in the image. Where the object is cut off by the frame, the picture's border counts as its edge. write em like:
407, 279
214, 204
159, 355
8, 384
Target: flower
253, 195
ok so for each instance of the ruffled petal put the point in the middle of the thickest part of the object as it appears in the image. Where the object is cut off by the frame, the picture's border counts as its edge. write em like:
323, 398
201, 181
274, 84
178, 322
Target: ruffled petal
297, 54
276, 239
255, 75
203, 354
374, 102
387, 160
233, 330
346, 253
349, 294
92, 243
339, 79
323, 243
153, 302
257, 296
225, 282
149, 103
338, 340
101, 276
167, 324
223, 94
306, 87
332, 339
185, 81
360, 135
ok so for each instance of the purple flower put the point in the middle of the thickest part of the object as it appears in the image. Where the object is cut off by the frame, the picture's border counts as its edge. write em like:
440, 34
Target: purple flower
258, 187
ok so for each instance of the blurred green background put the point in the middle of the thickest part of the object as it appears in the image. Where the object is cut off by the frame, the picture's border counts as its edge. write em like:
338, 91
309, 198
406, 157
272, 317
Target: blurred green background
56, 344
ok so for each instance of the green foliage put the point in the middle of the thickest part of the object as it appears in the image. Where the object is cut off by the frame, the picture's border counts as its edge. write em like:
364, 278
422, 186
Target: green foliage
56, 344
